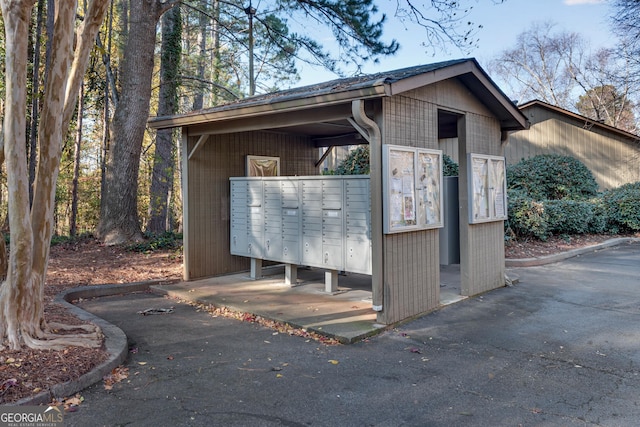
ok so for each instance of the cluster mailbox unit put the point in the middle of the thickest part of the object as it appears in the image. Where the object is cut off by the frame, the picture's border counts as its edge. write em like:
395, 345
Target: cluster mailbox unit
315, 221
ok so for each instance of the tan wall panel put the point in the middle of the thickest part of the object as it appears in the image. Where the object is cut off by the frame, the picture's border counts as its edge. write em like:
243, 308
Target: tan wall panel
449, 94
481, 245
221, 157
411, 260
611, 158
411, 274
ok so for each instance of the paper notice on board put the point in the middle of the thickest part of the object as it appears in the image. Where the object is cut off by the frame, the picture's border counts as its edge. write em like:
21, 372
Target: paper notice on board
497, 184
395, 207
480, 202
429, 180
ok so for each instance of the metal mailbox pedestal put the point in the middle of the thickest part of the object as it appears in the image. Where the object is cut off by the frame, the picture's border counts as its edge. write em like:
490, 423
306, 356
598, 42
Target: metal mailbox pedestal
316, 221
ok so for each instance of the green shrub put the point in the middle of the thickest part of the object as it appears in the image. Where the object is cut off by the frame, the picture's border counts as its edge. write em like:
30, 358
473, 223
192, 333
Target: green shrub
599, 223
450, 168
552, 177
356, 163
526, 216
622, 207
568, 216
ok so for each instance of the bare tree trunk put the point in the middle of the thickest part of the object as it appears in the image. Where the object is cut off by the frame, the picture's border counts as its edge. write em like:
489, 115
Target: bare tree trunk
217, 63
109, 87
164, 158
76, 167
22, 293
14, 290
198, 99
35, 103
119, 220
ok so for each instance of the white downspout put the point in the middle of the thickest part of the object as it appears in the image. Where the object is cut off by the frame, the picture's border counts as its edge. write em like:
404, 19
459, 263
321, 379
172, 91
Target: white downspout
370, 130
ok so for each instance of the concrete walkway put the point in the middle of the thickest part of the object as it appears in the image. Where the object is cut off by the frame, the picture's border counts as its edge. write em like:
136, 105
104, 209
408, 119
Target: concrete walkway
345, 315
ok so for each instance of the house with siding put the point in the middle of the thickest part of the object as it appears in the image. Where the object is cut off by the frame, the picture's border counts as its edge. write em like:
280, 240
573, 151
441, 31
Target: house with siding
611, 154
415, 108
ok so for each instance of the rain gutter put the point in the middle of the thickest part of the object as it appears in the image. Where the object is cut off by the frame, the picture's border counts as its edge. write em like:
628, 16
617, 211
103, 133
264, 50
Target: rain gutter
370, 130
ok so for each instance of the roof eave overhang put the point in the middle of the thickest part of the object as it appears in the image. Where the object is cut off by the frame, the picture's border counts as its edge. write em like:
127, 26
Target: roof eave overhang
277, 106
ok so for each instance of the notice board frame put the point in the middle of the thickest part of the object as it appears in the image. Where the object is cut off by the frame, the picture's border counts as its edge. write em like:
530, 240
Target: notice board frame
487, 184
412, 180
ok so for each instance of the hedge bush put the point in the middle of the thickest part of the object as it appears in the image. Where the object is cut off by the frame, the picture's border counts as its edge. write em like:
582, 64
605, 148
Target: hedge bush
356, 163
526, 216
552, 177
622, 207
569, 216
450, 167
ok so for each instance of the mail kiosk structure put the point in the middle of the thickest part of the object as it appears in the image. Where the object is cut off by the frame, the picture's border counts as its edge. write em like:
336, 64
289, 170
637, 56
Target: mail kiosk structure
316, 221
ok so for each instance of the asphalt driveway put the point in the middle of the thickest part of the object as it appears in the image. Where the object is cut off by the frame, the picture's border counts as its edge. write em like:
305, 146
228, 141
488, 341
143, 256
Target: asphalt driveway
561, 348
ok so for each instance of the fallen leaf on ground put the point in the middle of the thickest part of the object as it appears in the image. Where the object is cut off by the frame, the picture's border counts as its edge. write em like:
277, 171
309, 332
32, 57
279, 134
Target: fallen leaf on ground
117, 374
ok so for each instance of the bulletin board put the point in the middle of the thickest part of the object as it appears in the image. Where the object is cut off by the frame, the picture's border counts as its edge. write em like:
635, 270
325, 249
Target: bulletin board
487, 188
412, 188
263, 166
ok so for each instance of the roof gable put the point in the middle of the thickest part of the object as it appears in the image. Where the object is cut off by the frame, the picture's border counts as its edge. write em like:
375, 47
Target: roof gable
571, 115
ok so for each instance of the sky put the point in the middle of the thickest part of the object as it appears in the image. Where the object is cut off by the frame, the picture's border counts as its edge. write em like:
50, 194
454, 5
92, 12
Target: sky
502, 23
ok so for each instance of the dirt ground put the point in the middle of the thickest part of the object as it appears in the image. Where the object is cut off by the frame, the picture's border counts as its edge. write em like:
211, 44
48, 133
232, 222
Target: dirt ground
87, 262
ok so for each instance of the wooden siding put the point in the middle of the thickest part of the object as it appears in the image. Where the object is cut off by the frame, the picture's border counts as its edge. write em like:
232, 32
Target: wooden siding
481, 245
411, 261
411, 272
220, 157
613, 159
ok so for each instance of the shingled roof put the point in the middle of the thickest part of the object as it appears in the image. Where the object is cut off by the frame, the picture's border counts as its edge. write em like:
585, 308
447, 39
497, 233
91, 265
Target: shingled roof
367, 86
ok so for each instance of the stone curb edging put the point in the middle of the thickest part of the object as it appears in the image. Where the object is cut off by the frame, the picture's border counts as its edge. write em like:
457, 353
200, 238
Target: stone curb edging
533, 262
115, 340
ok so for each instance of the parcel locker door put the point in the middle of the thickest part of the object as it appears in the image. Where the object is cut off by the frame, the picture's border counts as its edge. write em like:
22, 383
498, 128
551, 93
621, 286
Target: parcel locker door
358, 255
239, 235
255, 233
272, 249
332, 239
291, 235
312, 238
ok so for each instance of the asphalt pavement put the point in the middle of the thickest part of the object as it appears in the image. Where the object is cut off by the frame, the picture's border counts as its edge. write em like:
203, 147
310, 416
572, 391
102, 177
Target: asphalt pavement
560, 348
